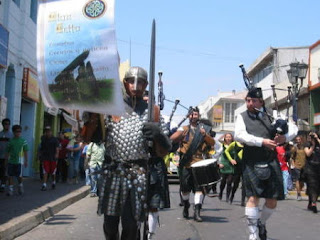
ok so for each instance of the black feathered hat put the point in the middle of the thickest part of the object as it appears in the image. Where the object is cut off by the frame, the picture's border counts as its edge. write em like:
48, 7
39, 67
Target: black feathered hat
255, 93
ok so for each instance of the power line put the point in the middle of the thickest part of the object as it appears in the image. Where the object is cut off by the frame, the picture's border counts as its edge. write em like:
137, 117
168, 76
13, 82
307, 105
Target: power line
183, 51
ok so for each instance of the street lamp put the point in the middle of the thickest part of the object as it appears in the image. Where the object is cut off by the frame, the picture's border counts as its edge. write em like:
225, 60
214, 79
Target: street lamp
297, 71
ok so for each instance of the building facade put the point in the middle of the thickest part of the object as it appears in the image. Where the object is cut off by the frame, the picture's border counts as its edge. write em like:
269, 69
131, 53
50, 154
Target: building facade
270, 68
20, 99
223, 112
314, 85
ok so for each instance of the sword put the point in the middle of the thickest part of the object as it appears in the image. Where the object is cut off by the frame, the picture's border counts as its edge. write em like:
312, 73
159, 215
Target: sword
151, 102
152, 73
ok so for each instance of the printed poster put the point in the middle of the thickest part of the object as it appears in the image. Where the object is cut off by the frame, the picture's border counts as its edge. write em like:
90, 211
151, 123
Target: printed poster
77, 56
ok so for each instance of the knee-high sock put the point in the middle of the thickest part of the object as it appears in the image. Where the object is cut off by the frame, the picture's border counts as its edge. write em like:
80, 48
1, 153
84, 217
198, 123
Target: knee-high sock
153, 220
198, 196
252, 214
265, 214
185, 197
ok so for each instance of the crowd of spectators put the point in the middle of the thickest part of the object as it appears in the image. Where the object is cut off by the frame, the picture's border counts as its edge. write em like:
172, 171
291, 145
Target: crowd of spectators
61, 159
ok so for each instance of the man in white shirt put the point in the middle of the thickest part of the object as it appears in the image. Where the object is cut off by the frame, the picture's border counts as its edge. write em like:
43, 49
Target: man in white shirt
261, 173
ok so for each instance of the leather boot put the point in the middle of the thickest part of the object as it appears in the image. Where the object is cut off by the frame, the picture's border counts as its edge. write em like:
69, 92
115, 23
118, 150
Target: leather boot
220, 195
186, 206
197, 217
231, 199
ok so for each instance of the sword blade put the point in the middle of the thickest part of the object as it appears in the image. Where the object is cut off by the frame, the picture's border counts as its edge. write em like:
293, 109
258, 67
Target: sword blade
152, 73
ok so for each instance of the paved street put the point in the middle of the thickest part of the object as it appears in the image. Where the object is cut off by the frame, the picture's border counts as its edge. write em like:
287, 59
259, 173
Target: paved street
221, 221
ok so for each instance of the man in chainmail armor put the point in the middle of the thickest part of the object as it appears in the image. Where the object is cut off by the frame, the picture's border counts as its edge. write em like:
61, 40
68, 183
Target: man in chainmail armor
124, 183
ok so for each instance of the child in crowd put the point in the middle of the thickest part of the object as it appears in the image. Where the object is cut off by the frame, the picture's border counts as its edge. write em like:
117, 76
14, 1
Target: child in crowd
17, 149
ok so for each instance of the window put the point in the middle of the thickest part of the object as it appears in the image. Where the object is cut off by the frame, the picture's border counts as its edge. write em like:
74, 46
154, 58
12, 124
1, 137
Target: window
17, 2
33, 10
229, 112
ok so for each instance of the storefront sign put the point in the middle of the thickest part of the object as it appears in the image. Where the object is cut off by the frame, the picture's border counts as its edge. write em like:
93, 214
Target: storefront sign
30, 87
217, 113
316, 119
53, 111
4, 39
78, 64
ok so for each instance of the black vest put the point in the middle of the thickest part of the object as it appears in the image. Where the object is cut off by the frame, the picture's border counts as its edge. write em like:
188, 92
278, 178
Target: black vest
259, 126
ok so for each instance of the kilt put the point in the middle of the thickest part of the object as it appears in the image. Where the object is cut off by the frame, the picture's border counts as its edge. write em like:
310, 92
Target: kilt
187, 182
270, 188
158, 189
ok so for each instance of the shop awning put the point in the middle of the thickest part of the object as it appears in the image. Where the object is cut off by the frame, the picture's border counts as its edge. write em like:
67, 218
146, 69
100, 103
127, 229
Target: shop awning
70, 120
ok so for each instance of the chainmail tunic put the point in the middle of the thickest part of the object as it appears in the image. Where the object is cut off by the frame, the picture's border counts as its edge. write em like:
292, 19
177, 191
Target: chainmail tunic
126, 170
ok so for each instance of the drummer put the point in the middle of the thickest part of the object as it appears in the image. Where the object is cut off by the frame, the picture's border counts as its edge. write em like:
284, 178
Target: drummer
194, 140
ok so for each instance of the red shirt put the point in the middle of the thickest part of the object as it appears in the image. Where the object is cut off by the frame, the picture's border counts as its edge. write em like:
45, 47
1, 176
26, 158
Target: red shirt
62, 150
281, 155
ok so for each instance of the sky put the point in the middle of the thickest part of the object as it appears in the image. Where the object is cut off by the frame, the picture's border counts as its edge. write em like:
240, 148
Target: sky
200, 44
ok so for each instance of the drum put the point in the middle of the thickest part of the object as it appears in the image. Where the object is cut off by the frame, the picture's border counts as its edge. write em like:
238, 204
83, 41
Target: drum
206, 172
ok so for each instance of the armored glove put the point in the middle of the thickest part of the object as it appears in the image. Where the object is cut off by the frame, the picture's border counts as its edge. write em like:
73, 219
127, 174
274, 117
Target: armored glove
151, 131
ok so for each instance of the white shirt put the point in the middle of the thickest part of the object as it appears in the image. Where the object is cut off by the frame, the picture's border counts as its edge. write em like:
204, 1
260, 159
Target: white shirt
241, 134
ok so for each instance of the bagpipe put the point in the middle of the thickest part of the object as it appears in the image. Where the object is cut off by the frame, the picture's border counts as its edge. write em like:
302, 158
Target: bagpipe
279, 123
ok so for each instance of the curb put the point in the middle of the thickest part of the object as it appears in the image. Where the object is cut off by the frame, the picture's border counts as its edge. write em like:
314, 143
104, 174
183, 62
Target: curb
26, 222
294, 193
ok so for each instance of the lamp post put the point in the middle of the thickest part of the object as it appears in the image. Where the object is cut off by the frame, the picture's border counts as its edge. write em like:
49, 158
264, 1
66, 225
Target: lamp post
297, 71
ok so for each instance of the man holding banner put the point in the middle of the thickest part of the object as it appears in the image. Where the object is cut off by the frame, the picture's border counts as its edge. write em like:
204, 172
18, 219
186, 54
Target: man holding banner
124, 187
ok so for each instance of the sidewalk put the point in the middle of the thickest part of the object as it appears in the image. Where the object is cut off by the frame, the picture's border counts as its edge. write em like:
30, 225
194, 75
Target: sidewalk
19, 214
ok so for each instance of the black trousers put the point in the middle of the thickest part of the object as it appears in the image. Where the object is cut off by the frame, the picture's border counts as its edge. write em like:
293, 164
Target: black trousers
62, 170
130, 229
3, 177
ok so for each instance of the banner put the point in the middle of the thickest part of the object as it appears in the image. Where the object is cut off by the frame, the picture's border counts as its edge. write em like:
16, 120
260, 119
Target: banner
77, 57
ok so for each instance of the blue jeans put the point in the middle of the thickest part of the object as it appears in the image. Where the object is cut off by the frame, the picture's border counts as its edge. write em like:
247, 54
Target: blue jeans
94, 178
73, 168
285, 176
88, 177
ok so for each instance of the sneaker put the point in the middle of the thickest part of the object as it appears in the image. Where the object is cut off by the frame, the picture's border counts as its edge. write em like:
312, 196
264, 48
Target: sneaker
299, 198
20, 190
53, 186
43, 188
150, 235
262, 231
93, 195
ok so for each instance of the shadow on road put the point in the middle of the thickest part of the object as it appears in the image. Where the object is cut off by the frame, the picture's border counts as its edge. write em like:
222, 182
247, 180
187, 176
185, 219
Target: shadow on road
60, 219
214, 219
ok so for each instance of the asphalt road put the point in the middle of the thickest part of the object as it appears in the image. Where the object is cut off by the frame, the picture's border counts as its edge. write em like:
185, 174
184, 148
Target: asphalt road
221, 221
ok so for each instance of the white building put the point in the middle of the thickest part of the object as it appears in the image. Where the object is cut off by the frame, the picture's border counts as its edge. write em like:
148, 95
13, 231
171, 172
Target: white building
270, 68
206, 106
223, 113
18, 84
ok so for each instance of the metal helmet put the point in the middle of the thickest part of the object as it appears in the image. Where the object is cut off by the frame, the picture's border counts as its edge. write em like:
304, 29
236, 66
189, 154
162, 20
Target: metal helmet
136, 74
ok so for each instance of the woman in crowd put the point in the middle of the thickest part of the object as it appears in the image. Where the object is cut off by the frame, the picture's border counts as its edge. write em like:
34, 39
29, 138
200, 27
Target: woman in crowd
74, 154
235, 159
282, 158
227, 169
312, 170
95, 155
